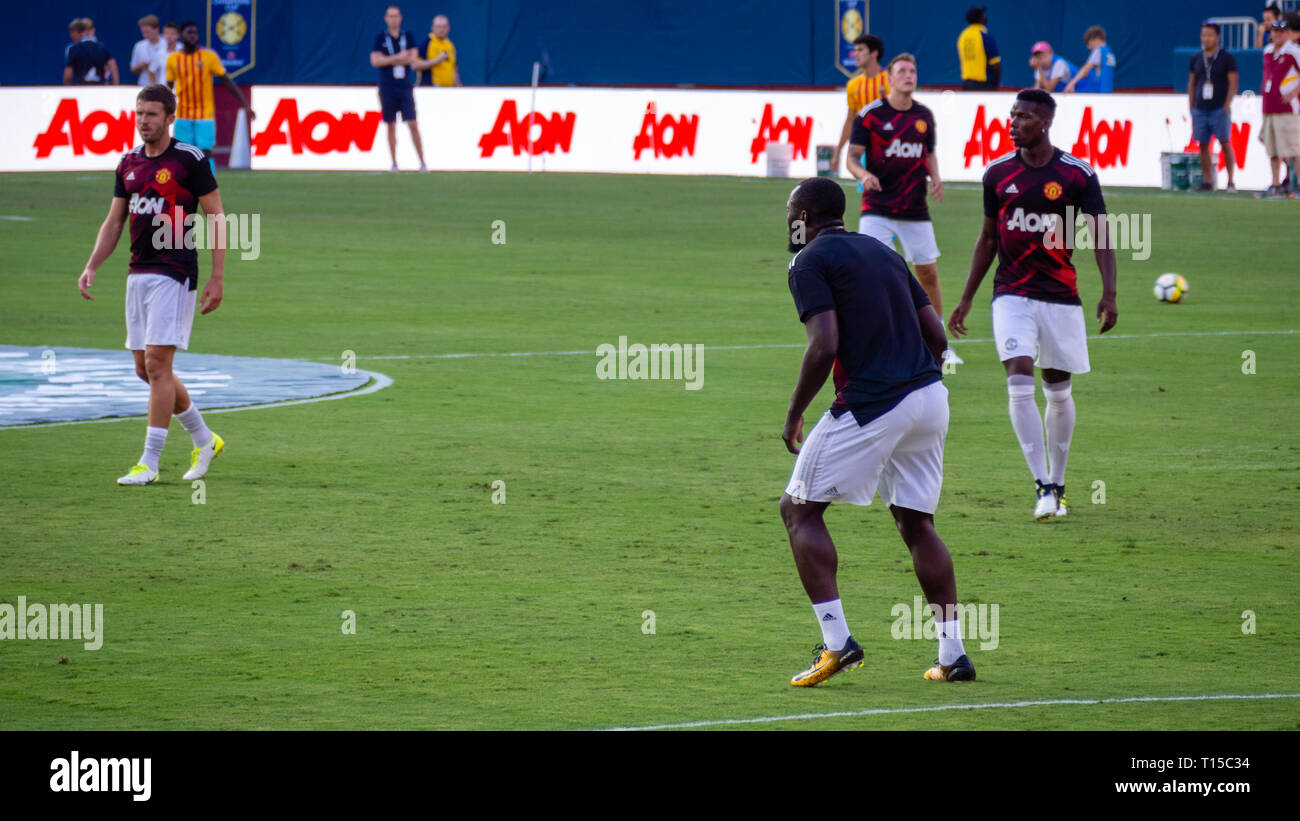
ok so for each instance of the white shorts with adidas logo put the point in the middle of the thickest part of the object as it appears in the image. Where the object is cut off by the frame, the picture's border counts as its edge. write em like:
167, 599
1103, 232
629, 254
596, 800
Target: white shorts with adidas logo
900, 454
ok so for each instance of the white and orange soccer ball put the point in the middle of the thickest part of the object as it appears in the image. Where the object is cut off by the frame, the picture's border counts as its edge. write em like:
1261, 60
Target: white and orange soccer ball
1170, 288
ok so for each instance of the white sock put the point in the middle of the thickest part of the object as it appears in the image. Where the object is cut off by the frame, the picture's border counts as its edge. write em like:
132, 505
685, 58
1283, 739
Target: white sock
835, 631
154, 439
1059, 420
950, 647
1027, 424
193, 422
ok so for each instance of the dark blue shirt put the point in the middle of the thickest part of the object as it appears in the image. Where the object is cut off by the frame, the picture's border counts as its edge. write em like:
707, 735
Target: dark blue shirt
882, 355
1220, 66
388, 45
89, 61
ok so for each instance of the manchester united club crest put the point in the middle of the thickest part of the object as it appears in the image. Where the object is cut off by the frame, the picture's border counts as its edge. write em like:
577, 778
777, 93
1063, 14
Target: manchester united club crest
921, 126
163, 176
1052, 190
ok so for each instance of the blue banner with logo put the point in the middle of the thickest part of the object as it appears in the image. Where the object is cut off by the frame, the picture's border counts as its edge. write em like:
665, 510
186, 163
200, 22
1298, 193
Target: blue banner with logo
850, 23
231, 26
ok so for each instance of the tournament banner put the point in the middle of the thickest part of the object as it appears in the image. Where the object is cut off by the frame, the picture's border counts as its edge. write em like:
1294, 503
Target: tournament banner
233, 23
852, 18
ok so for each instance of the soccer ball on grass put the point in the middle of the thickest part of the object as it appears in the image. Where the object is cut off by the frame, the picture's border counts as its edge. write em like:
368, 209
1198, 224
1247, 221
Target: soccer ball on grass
1170, 288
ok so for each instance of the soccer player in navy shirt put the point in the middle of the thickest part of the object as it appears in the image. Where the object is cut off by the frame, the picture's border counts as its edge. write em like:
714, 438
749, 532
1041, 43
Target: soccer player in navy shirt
869, 321
1031, 199
164, 180
395, 54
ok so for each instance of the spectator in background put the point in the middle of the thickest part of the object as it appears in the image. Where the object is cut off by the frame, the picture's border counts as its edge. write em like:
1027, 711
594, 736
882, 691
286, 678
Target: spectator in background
439, 56
868, 85
149, 53
1098, 74
1281, 131
171, 35
76, 30
89, 63
981, 67
1050, 70
1211, 85
1271, 14
395, 54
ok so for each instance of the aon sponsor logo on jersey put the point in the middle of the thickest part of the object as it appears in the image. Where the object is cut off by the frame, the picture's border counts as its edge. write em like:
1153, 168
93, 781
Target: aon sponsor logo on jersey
1020, 221
898, 148
146, 205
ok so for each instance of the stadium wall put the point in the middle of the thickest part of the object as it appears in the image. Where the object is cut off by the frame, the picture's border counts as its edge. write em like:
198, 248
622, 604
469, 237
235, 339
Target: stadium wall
661, 131
665, 43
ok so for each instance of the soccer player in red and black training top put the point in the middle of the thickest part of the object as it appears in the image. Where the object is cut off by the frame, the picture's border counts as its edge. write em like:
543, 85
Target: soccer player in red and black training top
891, 153
1031, 199
158, 184
869, 320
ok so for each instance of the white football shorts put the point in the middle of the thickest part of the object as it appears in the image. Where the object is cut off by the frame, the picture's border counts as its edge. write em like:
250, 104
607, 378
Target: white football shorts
900, 454
1051, 332
916, 237
159, 311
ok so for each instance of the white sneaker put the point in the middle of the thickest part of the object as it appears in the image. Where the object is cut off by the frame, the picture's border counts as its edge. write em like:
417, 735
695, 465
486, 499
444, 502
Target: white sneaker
1046, 507
139, 475
950, 354
1059, 492
202, 457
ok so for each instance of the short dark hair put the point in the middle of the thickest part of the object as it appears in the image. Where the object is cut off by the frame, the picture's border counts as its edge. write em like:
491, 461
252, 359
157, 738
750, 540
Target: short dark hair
1274, 9
171, 25
76, 25
392, 6
158, 93
822, 198
1210, 24
187, 24
1293, 20
975, 14
1092, 33
1038, 97
873, 43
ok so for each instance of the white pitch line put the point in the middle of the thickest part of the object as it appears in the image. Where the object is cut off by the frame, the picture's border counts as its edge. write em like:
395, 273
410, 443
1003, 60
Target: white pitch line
793, 345
686, 725
378, 382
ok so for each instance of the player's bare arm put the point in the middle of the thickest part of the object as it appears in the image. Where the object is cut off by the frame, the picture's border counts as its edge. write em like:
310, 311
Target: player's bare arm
986, 249
239, 95
932, 331
425, 65
211, 296
845, 133
936, 184
823, 342
378, 59
1107, 312
109, 233
870, 182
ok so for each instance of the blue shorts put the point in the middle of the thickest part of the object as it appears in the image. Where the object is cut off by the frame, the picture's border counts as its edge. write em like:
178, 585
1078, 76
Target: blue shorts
198, 133
393, 99
1207, 123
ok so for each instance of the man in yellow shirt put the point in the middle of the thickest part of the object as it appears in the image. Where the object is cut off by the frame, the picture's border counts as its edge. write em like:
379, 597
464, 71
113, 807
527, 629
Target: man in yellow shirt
981, 67
868, 85
189, 73
439, 56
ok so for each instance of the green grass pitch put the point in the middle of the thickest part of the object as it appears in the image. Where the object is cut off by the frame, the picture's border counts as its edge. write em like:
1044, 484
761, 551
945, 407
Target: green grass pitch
627, 496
